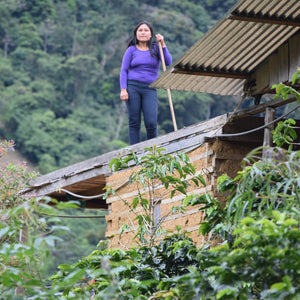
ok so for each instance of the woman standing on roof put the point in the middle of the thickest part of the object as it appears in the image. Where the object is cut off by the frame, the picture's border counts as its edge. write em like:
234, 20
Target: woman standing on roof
140, 67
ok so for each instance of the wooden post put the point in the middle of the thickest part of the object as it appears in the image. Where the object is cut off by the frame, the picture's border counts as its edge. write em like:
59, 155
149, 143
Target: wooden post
23, 237
268, 140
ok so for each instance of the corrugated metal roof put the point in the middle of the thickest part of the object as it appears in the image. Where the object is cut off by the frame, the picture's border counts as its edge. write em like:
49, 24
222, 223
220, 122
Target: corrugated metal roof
222, 60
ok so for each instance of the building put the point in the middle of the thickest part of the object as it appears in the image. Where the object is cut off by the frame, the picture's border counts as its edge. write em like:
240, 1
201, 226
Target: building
256, 45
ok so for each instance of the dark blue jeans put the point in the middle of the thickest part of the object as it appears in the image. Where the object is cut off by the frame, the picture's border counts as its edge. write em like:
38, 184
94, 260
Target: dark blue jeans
141, 99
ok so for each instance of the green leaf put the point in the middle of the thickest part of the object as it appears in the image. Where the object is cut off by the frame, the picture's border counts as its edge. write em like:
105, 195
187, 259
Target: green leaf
195, 181
278, 286
4, 231
33, 283
64, 267
124, 228
204, 228
247, 221
278, 216
181, 189
145, 203
72, 278
226, 292
296, 78
135, 202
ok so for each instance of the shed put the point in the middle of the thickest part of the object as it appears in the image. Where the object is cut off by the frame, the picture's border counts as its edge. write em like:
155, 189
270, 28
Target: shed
254, 46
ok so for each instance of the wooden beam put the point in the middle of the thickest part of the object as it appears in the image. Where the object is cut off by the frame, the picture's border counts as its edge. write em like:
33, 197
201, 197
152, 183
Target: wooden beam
253, 110
247, 139
264, 19
269, 117
215, 73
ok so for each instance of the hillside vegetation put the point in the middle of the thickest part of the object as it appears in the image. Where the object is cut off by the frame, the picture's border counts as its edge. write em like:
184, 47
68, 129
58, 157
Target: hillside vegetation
59, 73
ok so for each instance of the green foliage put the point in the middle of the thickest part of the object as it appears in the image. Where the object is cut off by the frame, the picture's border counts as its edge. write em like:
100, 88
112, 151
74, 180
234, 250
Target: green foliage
108, 274
13, 179
259, 255
24, 233
267, 185
254, 268
29, 37
47, 240
285, 133
155, 169
218, 7
22, 262
262, 263
214, 215
80, 240
283, 90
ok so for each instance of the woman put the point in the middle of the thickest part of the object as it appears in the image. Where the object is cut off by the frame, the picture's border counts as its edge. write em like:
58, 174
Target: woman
140, 67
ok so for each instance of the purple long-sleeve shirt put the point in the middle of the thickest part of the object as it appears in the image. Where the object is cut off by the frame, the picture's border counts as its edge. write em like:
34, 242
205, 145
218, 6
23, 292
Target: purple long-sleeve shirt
141, 66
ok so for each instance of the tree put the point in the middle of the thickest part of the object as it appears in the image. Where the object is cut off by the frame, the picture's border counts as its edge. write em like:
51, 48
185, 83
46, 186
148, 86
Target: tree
23, 232
28, 37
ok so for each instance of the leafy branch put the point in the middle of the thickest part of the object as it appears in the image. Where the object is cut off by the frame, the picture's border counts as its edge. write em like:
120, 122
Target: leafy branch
156, 176
285, 132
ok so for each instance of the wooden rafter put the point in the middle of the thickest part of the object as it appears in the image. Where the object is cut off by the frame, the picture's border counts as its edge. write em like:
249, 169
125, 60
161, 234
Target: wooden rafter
214, 73
264, 19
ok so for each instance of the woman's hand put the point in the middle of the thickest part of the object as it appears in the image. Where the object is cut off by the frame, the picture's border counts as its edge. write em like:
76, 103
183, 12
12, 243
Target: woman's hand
160, 39
124, 95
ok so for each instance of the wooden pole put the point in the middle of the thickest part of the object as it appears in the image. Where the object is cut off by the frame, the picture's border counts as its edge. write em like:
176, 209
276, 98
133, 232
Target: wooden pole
268, 139
168, 90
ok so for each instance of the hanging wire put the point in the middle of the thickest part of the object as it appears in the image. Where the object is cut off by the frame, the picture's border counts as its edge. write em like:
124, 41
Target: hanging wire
260, 127
75, 217
90, 197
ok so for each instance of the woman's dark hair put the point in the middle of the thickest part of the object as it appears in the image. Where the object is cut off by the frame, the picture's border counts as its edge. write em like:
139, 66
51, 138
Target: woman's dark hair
134, 41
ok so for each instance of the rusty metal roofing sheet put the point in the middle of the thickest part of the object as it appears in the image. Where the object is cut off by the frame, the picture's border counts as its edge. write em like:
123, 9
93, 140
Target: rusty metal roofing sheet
221, 61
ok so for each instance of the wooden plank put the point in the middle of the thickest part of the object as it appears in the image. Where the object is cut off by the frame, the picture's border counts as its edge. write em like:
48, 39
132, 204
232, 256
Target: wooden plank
294, 46
214, 73
283, 63
261, 107
255, 140
226, 156
262, 79
61, 182
274, 69
264, 19
205, 155
269, 117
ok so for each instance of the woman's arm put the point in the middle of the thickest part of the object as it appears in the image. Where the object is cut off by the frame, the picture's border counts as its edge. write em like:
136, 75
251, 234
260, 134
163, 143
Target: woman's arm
125, 67
124, 74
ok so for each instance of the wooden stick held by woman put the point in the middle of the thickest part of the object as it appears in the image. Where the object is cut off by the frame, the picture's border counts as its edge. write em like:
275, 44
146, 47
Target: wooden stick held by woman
168, 90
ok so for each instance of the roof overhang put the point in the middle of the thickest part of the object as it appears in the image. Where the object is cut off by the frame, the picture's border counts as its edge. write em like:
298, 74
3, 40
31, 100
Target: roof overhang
224, 59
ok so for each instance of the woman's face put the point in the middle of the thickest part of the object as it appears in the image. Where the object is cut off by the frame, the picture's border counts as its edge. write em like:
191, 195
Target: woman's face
143, 33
